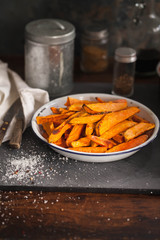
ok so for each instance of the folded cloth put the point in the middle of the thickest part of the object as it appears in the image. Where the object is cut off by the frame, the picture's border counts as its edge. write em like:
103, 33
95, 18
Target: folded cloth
12, 87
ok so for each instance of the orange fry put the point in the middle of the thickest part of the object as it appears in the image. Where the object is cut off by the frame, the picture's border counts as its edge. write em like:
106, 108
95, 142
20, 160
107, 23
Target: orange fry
48, 127
55, 110
137, 130
87, 119
106, 107
99, 99
118, 138
82, 142
71, 101
89, 128
138, 119
113, 118
127, 145
51, 118
102, 142
118, 128
75, 107
90, 149
57, 133
61, 142
74, 134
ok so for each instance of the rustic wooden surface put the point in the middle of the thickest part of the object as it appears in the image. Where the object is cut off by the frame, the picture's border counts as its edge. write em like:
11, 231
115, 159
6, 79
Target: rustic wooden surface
66, 215
57, 215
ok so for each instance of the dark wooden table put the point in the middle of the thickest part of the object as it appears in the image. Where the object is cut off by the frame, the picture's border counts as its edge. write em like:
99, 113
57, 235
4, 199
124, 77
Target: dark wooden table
70, 215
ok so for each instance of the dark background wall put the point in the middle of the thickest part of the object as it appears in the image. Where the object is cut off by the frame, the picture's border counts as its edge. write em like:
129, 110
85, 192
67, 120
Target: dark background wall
15, 14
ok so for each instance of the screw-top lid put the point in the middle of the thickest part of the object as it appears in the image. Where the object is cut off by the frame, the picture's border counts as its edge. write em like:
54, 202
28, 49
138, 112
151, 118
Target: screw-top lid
95, 32
50, 31
125, 55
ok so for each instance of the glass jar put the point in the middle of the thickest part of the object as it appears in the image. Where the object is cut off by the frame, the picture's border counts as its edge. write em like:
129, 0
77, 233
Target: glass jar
49, 55
124, 71
144, 36
94, 52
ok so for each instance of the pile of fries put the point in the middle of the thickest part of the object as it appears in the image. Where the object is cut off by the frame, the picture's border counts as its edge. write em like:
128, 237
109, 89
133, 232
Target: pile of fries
95, 126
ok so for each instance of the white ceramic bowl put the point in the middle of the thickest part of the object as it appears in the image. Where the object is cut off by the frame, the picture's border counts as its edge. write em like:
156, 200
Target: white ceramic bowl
145, 112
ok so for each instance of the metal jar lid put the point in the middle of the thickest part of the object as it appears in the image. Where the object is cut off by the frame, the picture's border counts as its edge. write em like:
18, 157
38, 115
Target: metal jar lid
50, 31
125, 55
95, 32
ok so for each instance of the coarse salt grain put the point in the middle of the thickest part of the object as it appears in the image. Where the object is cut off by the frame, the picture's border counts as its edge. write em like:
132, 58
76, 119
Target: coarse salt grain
23, 167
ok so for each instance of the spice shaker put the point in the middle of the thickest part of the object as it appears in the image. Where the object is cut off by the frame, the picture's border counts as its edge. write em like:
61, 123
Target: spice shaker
94, 52
124, 71
49, 55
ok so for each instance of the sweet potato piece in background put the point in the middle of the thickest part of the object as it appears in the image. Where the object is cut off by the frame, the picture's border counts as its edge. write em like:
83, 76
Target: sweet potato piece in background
118, 128
113, 118
86, 119
90, 149
55, 110
130, 144
88, 110
101, 141
71, 101
106, 106
75, 107
51, 118
99, 99
138, 119
63, 110
74, 134
81, 142
137, 130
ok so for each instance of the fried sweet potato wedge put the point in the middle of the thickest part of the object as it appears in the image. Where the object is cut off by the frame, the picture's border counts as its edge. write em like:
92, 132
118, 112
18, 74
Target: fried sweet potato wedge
99, 99
75, 107
118, 138
81, 142
138, 119
48, 127
101, 141
130, 144
113, 118
74, 134
71, 101
137, 130
58, 132
55, 110
90, 149
118, 128
89, 128
86, 119
61, 142
106, 106
51, 118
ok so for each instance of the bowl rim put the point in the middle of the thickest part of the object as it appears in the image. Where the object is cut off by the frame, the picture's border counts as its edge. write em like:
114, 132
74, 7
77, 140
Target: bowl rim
54, 146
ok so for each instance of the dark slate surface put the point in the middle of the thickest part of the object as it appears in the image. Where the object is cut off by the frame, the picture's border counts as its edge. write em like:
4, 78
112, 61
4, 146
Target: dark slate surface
36, 166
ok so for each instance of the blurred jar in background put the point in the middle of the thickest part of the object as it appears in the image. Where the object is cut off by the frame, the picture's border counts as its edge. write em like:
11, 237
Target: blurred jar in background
124, 71
49, 55
94, 49
144, 36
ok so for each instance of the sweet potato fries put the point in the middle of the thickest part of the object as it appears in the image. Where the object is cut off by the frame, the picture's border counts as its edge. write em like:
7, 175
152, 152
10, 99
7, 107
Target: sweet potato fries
95, 126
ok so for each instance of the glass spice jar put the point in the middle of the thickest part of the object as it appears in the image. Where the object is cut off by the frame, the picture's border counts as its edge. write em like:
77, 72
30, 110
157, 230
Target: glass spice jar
143, 35
124, 71
49, 55
94, 52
